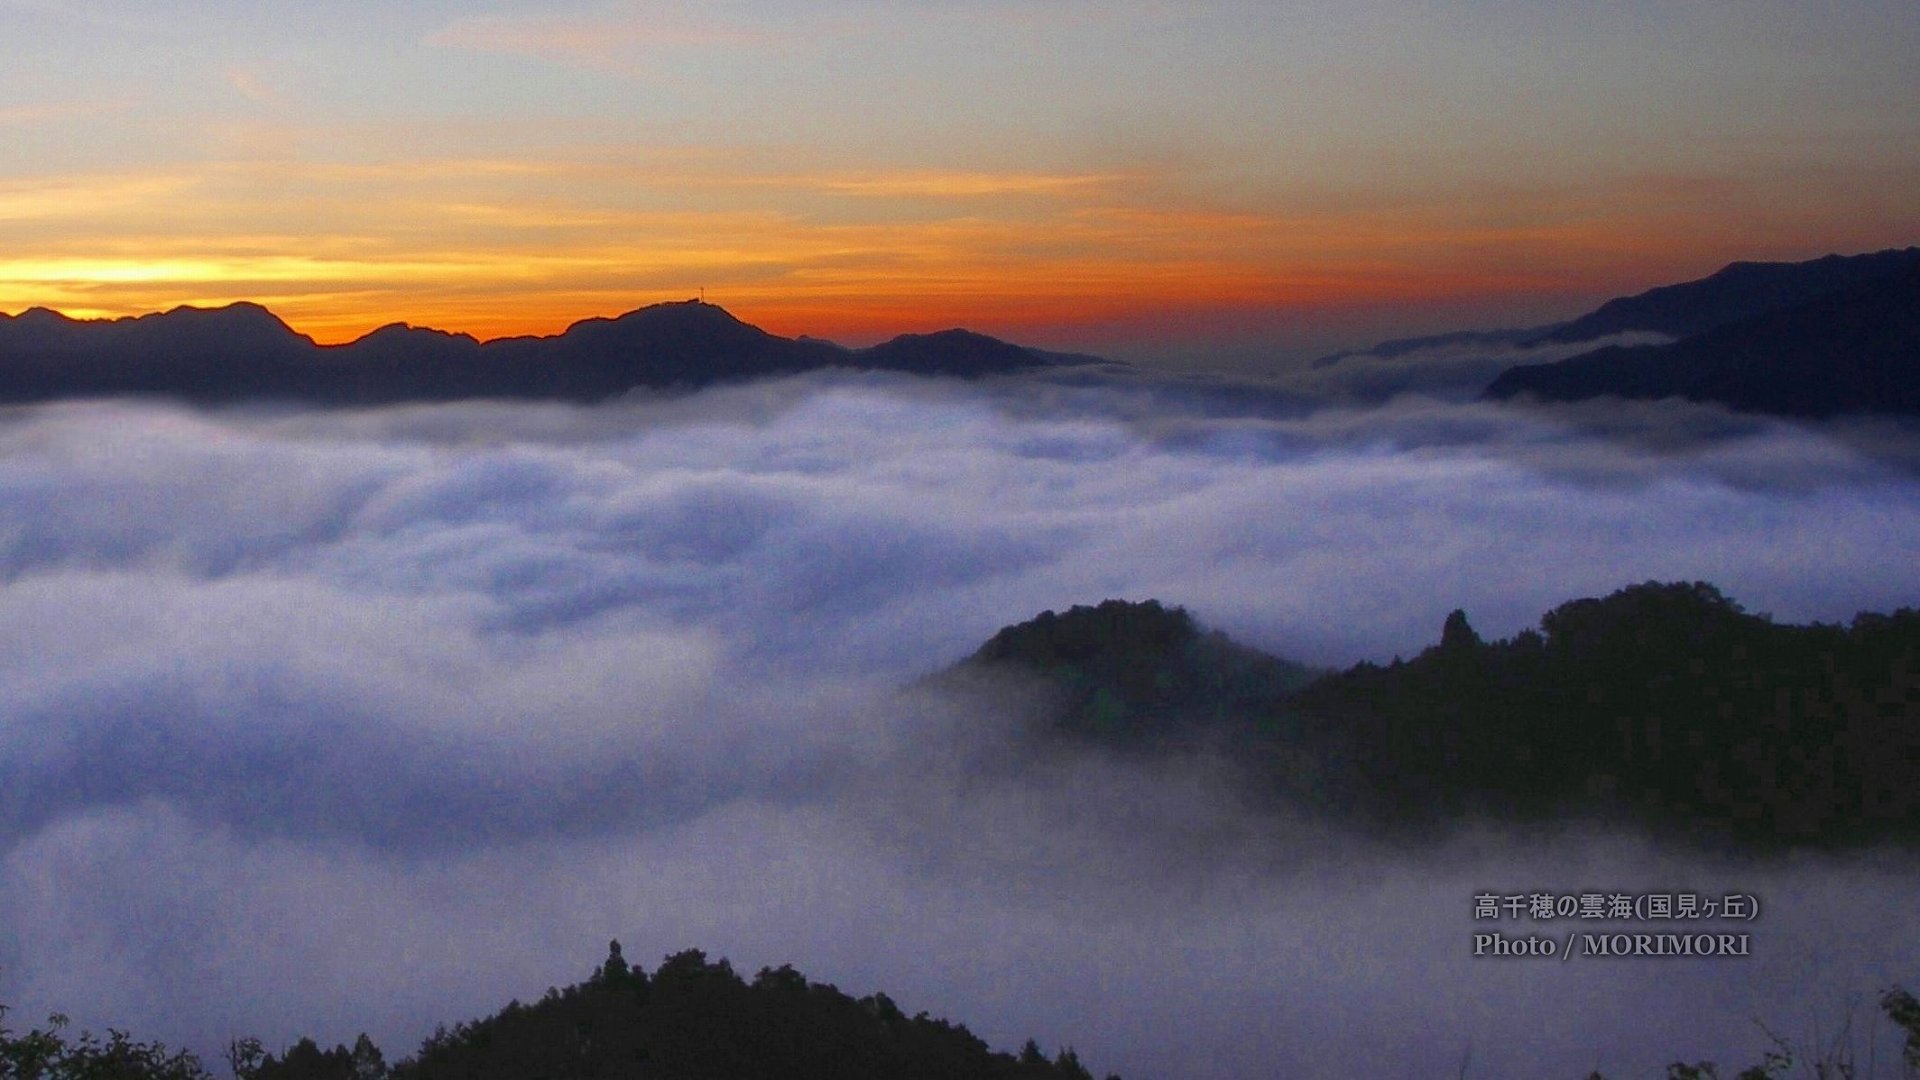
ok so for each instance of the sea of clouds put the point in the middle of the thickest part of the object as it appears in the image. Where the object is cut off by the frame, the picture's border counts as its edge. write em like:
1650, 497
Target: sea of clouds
320, 722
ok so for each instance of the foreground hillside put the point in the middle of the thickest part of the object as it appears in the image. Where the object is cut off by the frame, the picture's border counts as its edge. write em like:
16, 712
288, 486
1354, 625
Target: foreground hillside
692, 1019
696, 1020
1663, 705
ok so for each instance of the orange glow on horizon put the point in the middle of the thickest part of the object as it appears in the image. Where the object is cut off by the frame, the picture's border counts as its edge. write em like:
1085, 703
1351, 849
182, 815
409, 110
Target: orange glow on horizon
1088, 300
1089, 262
854, 311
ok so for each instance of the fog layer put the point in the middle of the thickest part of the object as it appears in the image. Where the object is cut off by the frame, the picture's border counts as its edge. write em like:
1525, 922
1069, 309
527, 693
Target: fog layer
321, 722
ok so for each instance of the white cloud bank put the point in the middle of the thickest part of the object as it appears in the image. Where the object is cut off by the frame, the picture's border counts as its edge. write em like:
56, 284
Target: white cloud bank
316, 722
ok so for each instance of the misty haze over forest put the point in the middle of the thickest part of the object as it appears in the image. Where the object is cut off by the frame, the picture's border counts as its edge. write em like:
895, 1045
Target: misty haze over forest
330, 720
994, 540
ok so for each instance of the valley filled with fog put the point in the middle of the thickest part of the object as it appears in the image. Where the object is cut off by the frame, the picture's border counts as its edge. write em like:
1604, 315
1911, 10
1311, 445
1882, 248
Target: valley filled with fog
316, 722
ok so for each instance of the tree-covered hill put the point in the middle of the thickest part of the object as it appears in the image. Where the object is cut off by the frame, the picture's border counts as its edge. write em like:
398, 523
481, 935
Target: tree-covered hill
692, 1019
1135, 675
1665, 705
695, 1019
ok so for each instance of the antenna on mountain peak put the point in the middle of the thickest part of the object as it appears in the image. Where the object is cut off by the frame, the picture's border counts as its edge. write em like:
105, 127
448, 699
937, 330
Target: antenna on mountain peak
703, 294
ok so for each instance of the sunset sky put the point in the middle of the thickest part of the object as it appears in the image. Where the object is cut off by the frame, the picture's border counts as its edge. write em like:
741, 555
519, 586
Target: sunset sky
1132, 176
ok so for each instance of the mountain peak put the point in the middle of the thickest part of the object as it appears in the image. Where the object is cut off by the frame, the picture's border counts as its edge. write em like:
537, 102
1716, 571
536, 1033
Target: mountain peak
39, 314
238, 309
1735, 292
950, 352
244, 351
400, 331
246, 322
1849, 350
687, 313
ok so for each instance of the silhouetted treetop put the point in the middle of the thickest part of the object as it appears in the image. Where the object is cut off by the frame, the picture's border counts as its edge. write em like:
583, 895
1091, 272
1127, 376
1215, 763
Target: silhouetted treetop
50, 1054
1457, 633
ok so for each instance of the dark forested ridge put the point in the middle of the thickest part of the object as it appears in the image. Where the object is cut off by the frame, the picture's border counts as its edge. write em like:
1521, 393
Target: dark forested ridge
696, 1020
1665, 705
692, 1019
244, 352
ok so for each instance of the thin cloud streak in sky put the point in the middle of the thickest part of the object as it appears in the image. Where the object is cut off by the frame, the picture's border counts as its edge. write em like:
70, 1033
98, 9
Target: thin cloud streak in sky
617, 42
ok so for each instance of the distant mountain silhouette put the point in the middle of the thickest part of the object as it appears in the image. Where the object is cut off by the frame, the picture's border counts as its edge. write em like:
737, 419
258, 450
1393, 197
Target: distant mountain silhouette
1757, 336
1853, 349
949, 352
1664, 705
244, 352
1737, 291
